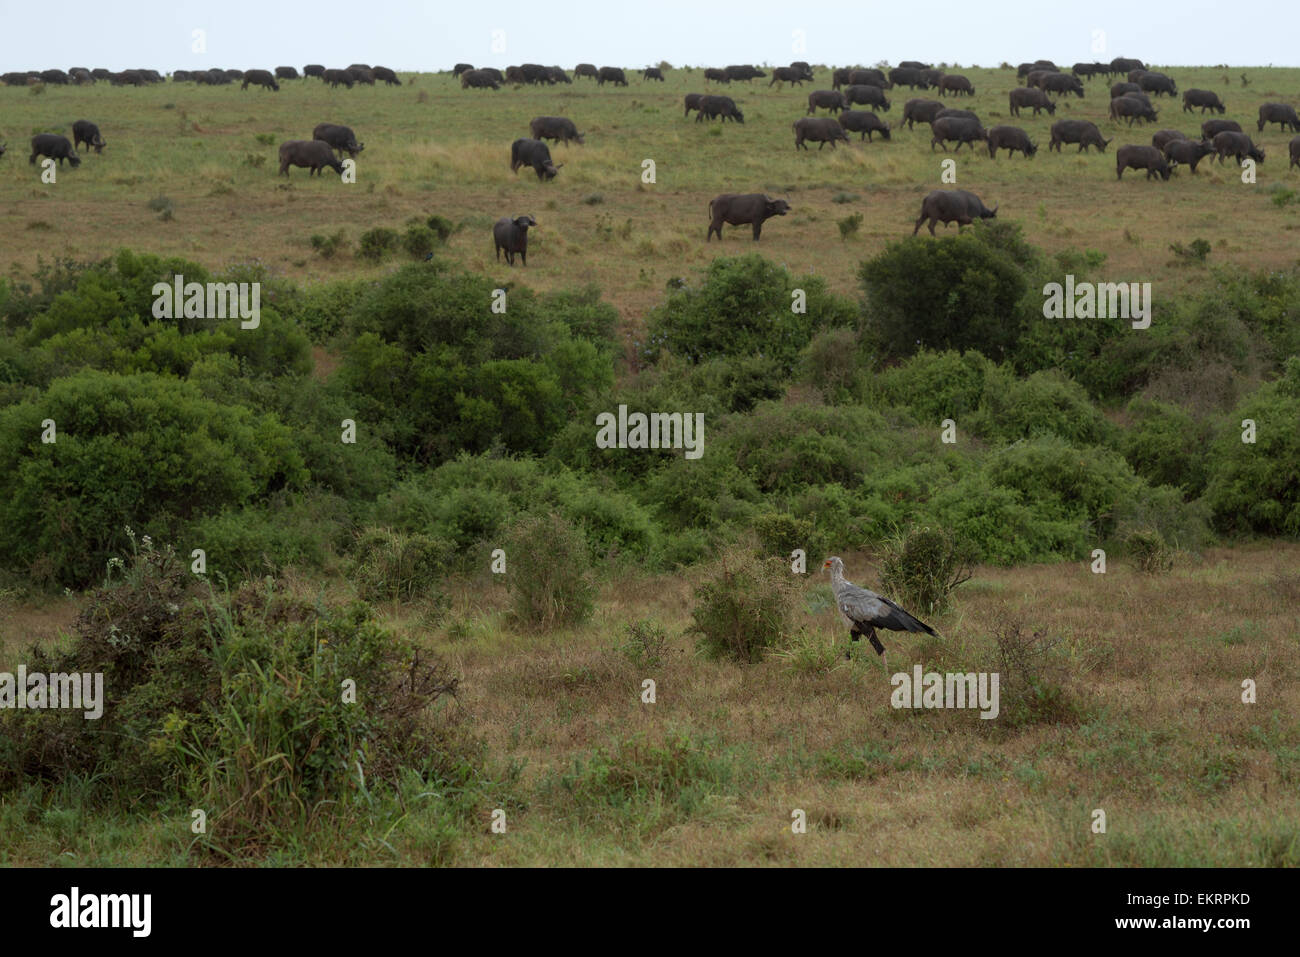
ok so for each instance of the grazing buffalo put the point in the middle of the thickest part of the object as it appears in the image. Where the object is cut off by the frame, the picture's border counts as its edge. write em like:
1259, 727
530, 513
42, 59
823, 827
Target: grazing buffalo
826, 99
81, 76
737, 209
286, 73
819, 129
1123, 89
952, 205
460, 68
312, 153
1157, 83
932, 77
511, 235
337, 78
693, 102
957, 128
231, 75
871, 77
1205, 99
1212, 128
1294, 147
1088, 70
906, 76
479, 80
362, 74
1282, 114
1187, 152
712, 107
1024, 96
611, 74
1162, 138
804, 67
556, 75
1121, 65
788, 74
558, 128
54, 76
1036, 78
314, 69
133, 78
868, 94
652, 73
534, 153
1130, 108
955, 84
1239, 145
1082, 132
262, 78
743, 72
338, 137
920, 111
55, 147
1140, 157
864, 122
841, 76
1135, 75
1061, 83
1011, 139
586, 69
914, 65
387, 75
714, 75
84, 131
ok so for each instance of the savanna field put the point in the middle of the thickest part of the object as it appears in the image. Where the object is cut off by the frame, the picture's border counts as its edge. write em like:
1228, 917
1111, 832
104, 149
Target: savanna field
498, 590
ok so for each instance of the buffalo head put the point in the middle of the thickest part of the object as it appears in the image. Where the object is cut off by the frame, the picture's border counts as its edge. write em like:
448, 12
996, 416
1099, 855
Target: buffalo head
776, 207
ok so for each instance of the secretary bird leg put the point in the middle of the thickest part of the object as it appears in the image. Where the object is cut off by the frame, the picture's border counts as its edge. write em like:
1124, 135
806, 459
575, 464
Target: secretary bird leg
880, 649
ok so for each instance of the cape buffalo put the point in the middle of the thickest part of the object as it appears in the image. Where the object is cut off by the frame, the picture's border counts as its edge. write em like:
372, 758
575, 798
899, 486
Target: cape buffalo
1187, 152
1124, 65
952, 205
1028, 97
920, 111
787, 74
1157, 83
958, 128
872, 77
1294, 146
714, 75
1061, 83
84, 131
55, 147
1161, 138
1238, 145
956, 84
338, 137
1211, 128
343, 78
534, 153
387, 75
1205, 99
907, 76
1135, 76
286, 73
819, 129
556, 75
314, 69
479, 80
692, 102
558, 128
652, 73
362, 74
586, 69
1011, 139
1122, 89
950, 111
864, 122
804, 68
1283, 114
262, 78
737, 209
313, 153
1077, 131
611, 74
743, 72
460, 68
719, 106
826, 99
868, 94
1140, 157
914, 65
840, 76
1131, 109
511, 235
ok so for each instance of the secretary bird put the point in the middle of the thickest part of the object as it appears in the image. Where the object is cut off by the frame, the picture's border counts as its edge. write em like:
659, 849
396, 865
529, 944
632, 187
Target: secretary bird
865, 611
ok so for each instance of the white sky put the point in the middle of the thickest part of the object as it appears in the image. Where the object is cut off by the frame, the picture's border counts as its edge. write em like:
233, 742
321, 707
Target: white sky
434, 34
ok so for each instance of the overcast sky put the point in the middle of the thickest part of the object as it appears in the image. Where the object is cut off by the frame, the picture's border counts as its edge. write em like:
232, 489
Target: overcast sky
435, 34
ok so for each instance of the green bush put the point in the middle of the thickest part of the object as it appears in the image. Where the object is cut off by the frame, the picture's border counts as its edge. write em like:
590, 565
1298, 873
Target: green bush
548, 572
744, 606
781, 533
326, 246
377, 243
396, 566
645, 644
1165, 445
419, 240
1149, 551
922, 566
830, 364
288, 530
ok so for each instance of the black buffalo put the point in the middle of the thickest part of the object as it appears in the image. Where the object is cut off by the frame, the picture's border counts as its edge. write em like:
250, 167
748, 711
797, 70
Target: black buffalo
827, 100
952, 205
819, 129
1061, 83
956, 84
1131, 108
479, 80
262, 78
867, 93
511, 235
652, 73
611, 74
460, 68
84, 131
55, 147
1187, 152
1082, 132
725, 107
1024, 96
1282, 114
338, 137
387, 75
693, 102
1294, 147
1211, 128
958, 128
1161, 138
1123, 89
343, 78
1205, 99
534, 153
586, 69
1141, 157
864, 122
714, 75
920, 111
737, 209
286, 73
1011, 139
743, 72
871, 77
1157, 83
1229, 143
907, 76
314, 69
788, 74
315, 154
558, 128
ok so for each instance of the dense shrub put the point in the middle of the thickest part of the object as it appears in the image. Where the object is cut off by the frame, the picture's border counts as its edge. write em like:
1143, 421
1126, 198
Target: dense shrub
1165, 445
922, 566
396, 566
744, 605
303, 530
548, 572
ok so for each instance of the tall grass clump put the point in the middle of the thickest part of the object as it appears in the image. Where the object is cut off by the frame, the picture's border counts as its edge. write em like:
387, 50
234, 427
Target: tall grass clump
744, 606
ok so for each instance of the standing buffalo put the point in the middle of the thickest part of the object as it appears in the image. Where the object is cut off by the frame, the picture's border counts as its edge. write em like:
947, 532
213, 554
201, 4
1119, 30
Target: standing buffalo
1161, 138
1157, 83
719, 106
1121, 65
362, 74
819, 129
956, 84
1011, 139
338, 137
556, 75
743, 72
1028, 97
871, 77
586, 69
1282, 114
1140, 157
864, 122
693, 102
952, 205
914, 65
312, 153
1187, 152
479, 79
1205, 99
826, 99
1130, 108
1238, 145
1077, 131
652, 73
1123, 89
343, 78
460, 68
957, 128
1061, 83
714, 75
841, 77
866, 93
387, 75
262, 78
286, 73
920, 111
804, 68
534, 153
611, 74
511, 235
1212, 128
558, 128
84, 131
737, 209
314, 69
788, 74
55, 147
906, 76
